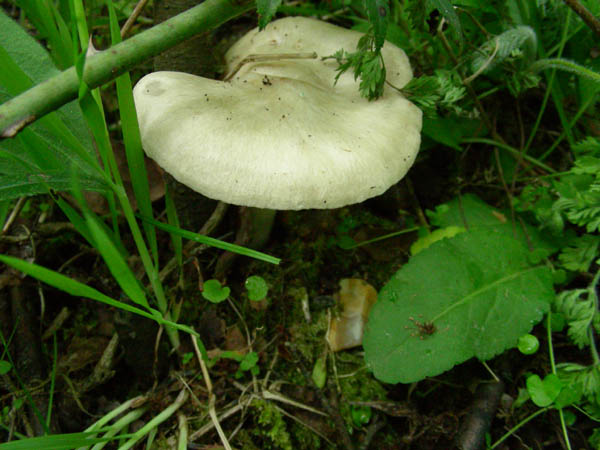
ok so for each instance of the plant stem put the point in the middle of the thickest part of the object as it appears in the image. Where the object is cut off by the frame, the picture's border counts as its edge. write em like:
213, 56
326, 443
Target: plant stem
109, 64
511, 150
585, 14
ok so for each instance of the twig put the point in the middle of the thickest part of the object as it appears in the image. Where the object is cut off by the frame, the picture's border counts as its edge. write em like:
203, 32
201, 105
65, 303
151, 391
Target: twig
585, 14
209, 426
373, 428
14, 214
267, 58
133, 17
34, 103
211, 396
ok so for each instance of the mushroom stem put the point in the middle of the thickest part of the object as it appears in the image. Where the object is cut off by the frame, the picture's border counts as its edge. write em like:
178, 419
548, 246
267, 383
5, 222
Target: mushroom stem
255, 228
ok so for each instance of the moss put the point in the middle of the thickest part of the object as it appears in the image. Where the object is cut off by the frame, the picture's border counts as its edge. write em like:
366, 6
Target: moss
304, 439
272, 426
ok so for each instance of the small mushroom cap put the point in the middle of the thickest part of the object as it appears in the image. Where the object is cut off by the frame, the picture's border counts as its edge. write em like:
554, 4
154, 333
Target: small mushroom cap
279, 135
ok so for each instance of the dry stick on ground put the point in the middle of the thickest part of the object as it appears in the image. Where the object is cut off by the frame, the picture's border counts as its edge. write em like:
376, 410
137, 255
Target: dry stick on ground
133, 17
376, 424
590, 20
211, 396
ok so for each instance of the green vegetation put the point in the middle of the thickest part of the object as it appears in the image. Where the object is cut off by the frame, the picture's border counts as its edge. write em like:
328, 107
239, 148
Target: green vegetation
490, 246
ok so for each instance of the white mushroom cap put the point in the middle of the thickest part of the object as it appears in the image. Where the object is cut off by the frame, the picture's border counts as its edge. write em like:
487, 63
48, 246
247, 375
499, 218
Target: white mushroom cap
280, 135
301, 34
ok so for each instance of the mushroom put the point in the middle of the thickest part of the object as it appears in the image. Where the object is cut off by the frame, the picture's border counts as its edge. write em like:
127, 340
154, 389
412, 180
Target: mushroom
281, 134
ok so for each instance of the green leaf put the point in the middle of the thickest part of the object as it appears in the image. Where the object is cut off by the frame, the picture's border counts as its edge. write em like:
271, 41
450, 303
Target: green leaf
214, 292
448, 130
495, 51
468, 296
319, 372
133, 141
257, 288
578, 306
249, 361
580, 253
361, 415
212, 241
377, 13
528, 344
543, 393
447, 10
70, 286
57, 441
425, 241
116, 263
5, 367
45, 154
266, 9
471, 212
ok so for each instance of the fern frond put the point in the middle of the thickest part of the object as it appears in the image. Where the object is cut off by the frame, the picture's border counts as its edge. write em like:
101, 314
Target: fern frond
579, 308
580, 254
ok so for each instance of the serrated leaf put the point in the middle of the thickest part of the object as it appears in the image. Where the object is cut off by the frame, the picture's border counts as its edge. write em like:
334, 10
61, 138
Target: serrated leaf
266, 9
472, 295
377, 13
579, 254
579, 309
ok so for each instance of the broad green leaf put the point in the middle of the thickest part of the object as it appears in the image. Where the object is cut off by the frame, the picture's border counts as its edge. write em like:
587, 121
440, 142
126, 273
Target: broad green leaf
448, 131
266, 9
378, 12
425, 241
471, 295
43, 155
471, 212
